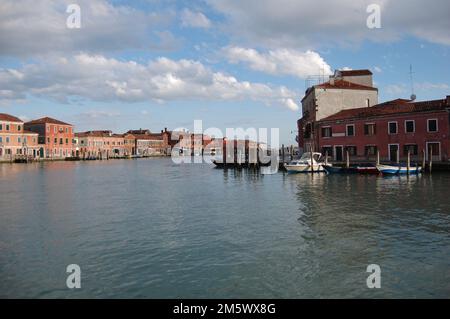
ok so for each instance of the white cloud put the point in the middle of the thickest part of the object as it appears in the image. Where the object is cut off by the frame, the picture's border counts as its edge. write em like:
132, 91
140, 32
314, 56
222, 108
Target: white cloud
38, 27
194, 19
310, 24
280, 61
97, 78
377, 69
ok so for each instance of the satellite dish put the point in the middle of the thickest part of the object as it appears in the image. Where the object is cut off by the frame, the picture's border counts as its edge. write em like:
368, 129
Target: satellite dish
413, 97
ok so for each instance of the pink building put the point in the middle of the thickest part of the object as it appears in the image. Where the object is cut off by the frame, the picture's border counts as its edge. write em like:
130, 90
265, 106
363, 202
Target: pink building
15, 141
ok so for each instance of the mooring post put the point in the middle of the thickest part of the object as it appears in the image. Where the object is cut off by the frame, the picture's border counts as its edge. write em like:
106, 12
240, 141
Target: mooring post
431, 160
312, 161
292, 152
282, 153
348, 159
326, 158
378, 156
423, 161
408, 162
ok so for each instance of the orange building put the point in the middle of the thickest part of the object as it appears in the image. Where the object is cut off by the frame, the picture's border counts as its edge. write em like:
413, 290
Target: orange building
15, 141
55, 137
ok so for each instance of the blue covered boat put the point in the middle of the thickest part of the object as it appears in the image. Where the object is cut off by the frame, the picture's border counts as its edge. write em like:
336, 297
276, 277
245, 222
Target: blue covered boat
398, 169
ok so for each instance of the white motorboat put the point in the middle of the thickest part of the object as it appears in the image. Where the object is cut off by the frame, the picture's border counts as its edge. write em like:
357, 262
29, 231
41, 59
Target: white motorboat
303, 165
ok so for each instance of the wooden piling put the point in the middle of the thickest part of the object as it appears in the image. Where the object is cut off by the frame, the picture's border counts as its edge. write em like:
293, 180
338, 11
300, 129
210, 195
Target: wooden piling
282, 153
423, 161
378, 156
312, 161
408, 162
431, 161
326, 158
292, 152
348, 159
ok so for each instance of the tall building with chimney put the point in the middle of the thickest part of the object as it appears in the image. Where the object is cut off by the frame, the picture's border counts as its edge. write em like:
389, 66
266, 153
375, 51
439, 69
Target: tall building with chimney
345, 89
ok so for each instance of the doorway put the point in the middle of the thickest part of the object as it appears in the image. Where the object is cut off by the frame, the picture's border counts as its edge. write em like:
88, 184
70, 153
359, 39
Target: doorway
338, 153
393, 153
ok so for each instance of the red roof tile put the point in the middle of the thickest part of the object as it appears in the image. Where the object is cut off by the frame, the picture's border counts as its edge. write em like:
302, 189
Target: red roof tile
388, 108
355, 72
9, 118
45, 120
341, 84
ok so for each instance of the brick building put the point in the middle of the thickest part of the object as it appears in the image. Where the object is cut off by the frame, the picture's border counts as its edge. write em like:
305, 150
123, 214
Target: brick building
392, 128
15, 140
56, 137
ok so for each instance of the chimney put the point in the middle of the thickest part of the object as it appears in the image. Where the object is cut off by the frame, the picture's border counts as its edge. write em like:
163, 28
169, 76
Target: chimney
448, 100
332, 80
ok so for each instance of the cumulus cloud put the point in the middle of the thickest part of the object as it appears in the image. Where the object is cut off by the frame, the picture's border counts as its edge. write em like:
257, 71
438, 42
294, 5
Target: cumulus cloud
38, 27
98, 78
280, 61
194, 19
309, 24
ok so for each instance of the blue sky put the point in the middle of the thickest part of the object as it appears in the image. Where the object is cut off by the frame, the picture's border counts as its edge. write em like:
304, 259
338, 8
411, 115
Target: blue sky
155, 64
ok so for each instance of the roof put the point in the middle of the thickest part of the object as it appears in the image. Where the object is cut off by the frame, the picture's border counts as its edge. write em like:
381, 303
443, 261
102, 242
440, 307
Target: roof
106, 133
341, 84
148, 136
355, 72
47, 120
397, 106
9, 118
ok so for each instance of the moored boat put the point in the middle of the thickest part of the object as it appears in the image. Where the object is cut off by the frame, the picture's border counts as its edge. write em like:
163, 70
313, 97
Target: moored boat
398, 169
352, 169
306, 164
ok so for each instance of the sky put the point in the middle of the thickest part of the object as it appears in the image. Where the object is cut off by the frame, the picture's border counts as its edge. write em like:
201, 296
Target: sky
230, 63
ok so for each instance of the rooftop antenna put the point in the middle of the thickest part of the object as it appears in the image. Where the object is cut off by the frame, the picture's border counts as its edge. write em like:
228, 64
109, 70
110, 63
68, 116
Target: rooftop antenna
413, 96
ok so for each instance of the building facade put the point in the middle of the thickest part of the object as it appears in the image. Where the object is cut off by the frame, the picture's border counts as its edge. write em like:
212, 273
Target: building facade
55, 137
391, 129
15, 141
143, 142
344, 90
99, 145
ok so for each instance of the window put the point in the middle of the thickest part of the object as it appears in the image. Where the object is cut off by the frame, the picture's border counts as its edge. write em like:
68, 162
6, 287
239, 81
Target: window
326, 131
7, 139
432, 125
61, 141
19, 140
368, 102
48, 140
56, 141
412, 148
67, 130
370, 150
7, 127
351, 150
369, 129
392, 127
350, 130
1, 139
19, 128
48, 129
1, 127
67, 141
410, 126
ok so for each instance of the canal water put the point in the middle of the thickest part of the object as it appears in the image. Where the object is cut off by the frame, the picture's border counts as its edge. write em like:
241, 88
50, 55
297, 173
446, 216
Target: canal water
153, 229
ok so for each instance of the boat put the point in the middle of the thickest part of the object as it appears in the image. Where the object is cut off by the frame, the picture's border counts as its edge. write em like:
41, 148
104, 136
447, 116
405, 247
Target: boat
352, 169
303, 165
330, 169
398, 169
